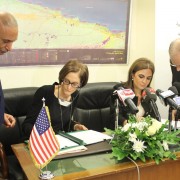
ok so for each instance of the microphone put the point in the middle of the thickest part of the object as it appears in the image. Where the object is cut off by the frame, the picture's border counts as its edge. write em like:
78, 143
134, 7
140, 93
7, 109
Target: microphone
166, 97
177, 98
177, 85
118, 86
149, 96
177, 101
126, 96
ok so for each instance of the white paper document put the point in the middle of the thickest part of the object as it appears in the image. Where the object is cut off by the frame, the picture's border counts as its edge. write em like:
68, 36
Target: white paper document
68, 146
65, 142
72, 150
90, 136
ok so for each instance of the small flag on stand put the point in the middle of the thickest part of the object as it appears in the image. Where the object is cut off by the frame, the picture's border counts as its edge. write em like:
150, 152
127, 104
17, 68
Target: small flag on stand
43, 144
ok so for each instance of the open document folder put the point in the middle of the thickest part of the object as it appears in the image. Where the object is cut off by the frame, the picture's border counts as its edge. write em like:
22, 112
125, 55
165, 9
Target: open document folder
69, 146
76, 141
90, 136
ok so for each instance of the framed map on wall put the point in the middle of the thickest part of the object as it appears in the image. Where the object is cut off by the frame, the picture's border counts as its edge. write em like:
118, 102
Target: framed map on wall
52, 32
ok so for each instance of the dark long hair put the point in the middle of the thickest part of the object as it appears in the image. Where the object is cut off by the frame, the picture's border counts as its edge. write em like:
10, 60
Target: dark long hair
139, 64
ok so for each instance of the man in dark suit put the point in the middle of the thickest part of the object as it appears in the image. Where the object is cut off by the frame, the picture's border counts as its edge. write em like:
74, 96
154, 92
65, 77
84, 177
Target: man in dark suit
8, 34
174, 54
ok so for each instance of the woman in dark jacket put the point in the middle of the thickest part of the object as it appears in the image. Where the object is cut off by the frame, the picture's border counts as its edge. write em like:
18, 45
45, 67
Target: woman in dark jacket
61, 99
139, 77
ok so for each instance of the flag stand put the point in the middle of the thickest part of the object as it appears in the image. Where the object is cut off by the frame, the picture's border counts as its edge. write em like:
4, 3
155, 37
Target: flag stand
43, 145
46, 174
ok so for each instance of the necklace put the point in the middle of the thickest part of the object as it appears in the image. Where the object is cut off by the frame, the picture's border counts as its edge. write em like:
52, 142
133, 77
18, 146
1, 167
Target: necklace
61, 101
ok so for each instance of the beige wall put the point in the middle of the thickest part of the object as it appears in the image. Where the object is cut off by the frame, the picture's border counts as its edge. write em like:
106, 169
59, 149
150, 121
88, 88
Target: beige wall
141, 44
167, 29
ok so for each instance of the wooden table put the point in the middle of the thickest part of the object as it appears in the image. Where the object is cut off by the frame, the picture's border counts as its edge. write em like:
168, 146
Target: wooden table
167, 170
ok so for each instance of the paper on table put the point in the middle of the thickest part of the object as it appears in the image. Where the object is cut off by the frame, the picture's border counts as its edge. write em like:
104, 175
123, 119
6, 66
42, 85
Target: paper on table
90, 136
68, 146
72, 150
65, 142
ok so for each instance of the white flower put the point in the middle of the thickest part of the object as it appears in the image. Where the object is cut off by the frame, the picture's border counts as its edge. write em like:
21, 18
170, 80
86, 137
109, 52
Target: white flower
165, 146
138, 146
151, 130
156, 124
126, 127
132, 137
141, 125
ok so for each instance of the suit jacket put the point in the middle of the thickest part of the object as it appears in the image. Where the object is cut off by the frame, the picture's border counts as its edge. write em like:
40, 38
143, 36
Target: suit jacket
175, 75
1, 105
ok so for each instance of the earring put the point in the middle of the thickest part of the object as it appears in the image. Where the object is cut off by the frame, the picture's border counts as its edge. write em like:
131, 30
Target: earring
132, 79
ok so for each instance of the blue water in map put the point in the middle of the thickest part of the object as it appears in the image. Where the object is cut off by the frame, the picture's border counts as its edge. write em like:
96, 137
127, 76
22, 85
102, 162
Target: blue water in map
109, 13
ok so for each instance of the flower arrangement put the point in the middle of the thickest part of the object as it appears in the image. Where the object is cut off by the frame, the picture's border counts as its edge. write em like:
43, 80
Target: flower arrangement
144, 139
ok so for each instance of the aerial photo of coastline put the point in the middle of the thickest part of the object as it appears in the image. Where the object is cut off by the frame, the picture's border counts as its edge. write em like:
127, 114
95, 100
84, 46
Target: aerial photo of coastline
67, 24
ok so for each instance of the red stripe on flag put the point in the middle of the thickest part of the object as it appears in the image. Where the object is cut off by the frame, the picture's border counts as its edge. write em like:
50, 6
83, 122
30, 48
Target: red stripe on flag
46, 144
40, 143
35, 150
52, 141
40, 149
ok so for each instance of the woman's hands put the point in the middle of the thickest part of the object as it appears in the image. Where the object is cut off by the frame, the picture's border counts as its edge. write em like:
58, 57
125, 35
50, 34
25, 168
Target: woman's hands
80, 127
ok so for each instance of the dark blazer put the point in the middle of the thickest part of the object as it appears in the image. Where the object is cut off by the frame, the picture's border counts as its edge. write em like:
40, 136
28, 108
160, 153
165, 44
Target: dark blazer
124, 111
60, 115
1, 105
175, 75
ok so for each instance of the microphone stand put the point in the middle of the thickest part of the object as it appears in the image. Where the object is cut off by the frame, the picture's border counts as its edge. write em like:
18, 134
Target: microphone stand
170, 118
117, 114
156, 112
176, 118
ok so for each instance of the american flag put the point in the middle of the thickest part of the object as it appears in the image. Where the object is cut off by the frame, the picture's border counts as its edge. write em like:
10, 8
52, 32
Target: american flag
43, 144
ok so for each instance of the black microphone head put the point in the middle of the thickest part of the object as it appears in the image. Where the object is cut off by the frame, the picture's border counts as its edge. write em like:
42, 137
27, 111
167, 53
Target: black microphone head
118, 86
174, 90
133, 108
149, 95
177, 85
158, 92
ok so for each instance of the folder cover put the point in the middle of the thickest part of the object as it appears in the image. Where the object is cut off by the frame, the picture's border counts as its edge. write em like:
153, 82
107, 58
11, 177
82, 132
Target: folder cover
100, 147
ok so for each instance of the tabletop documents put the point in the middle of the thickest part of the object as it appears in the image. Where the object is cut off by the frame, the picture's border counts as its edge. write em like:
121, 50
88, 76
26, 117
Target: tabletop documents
77, 140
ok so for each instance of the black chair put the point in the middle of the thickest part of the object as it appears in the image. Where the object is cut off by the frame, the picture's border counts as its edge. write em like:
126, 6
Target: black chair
17, 103
93, 106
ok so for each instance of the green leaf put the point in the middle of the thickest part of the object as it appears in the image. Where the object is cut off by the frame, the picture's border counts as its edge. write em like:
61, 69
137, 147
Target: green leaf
122, 147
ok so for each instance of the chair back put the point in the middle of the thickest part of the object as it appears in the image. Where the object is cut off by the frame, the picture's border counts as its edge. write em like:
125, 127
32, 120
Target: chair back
93, 106
17, 103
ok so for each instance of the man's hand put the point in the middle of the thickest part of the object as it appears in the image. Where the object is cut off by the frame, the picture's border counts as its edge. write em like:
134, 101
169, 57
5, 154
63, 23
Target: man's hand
9, 120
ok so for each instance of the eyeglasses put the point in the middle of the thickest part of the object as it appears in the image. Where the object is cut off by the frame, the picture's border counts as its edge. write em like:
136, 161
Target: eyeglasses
73, 84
